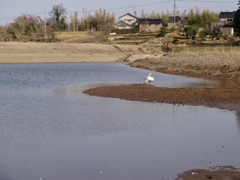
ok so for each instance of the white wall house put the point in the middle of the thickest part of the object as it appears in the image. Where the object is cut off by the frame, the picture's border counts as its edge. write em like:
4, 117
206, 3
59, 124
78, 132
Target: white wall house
128, 18
126, 21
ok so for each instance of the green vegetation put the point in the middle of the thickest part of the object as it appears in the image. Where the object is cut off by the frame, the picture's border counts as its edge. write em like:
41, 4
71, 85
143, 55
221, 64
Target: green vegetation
163, 31
58, 16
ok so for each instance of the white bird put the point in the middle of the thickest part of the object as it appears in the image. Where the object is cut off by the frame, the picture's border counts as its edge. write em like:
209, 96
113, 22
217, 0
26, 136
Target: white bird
149, 79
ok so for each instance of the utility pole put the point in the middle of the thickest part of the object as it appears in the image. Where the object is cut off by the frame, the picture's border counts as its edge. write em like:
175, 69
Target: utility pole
76, 21
45, 25
174, 12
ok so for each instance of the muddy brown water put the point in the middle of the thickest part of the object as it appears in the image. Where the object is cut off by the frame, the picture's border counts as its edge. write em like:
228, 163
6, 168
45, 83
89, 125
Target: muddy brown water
49, 129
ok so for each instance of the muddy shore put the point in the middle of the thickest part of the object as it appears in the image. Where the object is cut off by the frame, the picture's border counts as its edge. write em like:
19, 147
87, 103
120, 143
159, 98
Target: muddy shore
223, 98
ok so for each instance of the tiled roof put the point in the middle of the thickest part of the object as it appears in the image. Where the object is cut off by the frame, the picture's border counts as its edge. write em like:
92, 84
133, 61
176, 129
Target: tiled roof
129, 15
171, 19
149, 21
227, 15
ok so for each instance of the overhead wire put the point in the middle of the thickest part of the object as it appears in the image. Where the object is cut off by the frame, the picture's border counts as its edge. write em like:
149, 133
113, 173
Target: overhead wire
129, 7
112, 9
209, 1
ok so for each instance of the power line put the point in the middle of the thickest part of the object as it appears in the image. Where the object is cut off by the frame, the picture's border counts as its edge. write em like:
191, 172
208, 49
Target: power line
135, 6
129, 7
112, 9
209, 1
18, 16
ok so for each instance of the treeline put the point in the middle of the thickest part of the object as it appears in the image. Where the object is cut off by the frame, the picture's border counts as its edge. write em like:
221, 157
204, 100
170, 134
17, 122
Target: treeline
33, 28
197, 19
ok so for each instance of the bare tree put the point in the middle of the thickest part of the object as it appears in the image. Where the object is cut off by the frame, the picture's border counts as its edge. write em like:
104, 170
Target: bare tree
58, 17
74, 22
100, 21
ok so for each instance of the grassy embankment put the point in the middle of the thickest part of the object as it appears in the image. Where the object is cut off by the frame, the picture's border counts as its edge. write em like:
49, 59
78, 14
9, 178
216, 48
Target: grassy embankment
218, 62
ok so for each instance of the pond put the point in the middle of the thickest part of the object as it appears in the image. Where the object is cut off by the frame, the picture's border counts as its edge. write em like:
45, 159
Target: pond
50, 130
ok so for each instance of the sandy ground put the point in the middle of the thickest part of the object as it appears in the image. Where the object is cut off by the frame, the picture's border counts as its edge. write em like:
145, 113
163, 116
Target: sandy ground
218, 65
14, 52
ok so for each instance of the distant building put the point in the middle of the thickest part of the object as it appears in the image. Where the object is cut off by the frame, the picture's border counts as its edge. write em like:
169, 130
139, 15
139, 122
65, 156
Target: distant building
149, 25
173, 22
227, 26
124, 25
227, 16
227, 29
127, 21
225, 23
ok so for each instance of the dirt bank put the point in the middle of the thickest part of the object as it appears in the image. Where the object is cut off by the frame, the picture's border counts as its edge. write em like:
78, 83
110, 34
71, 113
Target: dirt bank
217, 173
205, 65
19, 52
224, 98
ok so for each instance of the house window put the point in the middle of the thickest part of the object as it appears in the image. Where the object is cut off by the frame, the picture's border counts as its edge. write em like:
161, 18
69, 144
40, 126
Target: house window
229, 19
129, 20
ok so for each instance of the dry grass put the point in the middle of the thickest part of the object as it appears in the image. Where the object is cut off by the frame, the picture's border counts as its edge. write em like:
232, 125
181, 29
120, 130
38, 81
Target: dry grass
78, 37
199, 62
213, 50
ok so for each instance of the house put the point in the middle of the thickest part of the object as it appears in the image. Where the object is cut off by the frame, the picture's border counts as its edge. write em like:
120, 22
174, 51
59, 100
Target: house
227, 16
124, 25
227, 26
149, 25
127, 21
227, 29
173, 22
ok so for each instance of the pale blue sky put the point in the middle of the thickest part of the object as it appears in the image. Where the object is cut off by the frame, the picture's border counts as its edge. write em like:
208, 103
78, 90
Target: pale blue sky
10, 9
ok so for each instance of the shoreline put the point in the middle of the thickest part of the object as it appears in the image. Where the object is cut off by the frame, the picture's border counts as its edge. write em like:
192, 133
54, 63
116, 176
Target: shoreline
222, 98
214, 66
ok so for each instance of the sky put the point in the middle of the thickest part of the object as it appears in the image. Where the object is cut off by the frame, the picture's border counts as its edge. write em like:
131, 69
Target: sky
11, 9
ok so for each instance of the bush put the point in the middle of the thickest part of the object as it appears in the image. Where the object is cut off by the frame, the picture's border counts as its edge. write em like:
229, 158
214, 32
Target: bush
175, 41
163, 31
